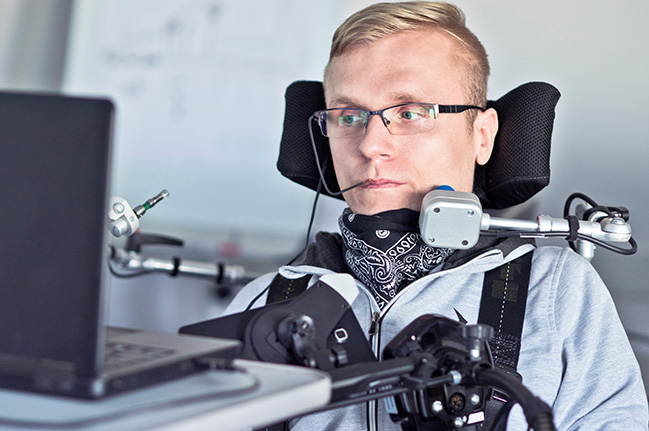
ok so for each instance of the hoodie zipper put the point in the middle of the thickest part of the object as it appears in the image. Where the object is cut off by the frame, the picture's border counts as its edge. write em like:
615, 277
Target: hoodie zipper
375, 336
374, 342
374, 325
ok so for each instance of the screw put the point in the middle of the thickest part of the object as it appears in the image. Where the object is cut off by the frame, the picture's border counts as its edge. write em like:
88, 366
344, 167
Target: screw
475, 399
458, 422
118, 208
470, 213
438, 406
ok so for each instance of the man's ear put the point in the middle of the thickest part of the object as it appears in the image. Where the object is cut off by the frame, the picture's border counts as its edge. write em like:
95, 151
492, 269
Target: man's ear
485, 127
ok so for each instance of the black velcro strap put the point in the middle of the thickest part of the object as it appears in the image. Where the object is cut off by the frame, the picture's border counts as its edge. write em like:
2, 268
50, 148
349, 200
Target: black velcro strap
282, 426
573, 223
504, 297
175, 269
282, 288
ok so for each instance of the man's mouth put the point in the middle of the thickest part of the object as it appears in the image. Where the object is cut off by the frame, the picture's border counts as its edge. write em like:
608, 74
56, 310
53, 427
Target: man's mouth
380, 183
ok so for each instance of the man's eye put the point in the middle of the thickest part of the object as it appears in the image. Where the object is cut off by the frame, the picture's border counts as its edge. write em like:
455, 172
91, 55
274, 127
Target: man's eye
411, 114
349, 120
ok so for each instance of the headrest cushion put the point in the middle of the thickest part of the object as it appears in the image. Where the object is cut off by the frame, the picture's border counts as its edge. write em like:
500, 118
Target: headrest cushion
518, 169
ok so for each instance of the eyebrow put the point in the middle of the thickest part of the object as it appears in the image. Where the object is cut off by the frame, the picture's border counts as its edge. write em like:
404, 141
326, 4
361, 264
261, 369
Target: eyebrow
343, 101
397, 98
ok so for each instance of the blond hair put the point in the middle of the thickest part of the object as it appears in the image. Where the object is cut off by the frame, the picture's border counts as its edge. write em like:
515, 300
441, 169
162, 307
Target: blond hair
381, 20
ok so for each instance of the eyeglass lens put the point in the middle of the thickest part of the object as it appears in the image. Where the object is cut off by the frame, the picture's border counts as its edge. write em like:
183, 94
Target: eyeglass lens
400, 120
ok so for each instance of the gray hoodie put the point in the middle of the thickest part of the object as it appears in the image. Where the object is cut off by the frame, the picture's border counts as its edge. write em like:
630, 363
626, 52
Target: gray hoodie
575, 354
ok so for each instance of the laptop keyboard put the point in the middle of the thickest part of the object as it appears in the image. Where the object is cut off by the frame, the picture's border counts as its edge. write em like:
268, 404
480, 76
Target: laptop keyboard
119, 355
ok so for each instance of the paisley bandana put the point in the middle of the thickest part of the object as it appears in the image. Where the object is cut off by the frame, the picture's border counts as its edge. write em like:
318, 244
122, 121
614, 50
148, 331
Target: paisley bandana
385, 251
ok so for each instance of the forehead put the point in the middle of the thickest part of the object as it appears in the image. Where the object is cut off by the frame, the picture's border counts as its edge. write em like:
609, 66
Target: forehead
417, 66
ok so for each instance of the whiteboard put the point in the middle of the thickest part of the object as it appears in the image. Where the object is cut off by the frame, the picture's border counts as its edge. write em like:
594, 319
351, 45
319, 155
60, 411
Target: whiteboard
199, 90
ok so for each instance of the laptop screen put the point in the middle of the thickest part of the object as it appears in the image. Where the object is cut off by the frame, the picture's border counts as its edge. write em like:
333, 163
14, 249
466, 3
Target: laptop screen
54, 165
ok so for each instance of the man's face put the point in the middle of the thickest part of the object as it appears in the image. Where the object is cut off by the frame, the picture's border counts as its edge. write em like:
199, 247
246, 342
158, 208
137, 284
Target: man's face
405, 67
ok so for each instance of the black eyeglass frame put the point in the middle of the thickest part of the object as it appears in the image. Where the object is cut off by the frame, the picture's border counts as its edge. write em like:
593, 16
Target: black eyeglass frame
437, 109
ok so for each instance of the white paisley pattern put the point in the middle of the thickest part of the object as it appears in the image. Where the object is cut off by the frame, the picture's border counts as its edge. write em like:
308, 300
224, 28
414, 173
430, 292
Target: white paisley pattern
382, 233
385, 272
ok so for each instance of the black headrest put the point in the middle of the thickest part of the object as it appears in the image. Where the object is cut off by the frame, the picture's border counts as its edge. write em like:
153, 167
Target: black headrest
518, 169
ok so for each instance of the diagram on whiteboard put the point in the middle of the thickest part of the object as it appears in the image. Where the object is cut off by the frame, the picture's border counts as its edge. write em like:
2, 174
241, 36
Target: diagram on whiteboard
199, 89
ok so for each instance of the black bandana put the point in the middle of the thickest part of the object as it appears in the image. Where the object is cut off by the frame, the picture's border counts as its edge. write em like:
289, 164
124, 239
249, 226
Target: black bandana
385, 251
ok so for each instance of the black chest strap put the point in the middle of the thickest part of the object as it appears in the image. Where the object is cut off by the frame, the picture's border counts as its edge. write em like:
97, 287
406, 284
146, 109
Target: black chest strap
282, 288
502, 306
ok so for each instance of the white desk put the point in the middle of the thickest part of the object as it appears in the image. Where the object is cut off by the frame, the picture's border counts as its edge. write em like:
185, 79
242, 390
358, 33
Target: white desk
214, 400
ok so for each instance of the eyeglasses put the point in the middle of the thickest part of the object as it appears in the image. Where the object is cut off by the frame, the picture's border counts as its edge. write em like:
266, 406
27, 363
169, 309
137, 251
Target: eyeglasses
404, 119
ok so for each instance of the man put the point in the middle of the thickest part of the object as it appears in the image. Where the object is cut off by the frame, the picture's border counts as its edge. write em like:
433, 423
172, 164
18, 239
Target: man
392, 68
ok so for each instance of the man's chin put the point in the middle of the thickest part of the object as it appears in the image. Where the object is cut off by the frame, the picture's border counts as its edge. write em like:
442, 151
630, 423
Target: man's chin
378, 208
371, 202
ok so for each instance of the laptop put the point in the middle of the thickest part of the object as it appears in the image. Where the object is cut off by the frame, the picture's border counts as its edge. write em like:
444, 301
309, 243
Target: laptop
54, 178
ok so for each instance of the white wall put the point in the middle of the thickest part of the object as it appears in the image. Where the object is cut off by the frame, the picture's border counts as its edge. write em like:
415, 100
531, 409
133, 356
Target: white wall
596, 53
33, 43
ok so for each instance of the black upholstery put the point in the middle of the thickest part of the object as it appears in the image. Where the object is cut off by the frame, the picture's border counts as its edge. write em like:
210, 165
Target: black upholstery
518, 169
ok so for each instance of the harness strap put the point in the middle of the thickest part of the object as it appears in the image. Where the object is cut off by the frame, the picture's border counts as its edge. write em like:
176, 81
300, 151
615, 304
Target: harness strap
502, 306
282, 288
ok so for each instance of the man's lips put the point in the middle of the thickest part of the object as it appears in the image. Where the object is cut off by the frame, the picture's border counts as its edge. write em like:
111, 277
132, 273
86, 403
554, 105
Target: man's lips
380, 183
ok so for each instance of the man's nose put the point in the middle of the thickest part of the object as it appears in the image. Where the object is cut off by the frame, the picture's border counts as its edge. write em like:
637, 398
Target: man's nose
377, 140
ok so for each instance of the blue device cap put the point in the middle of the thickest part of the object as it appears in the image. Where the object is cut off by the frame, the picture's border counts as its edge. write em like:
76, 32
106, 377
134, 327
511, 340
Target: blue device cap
445, 187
